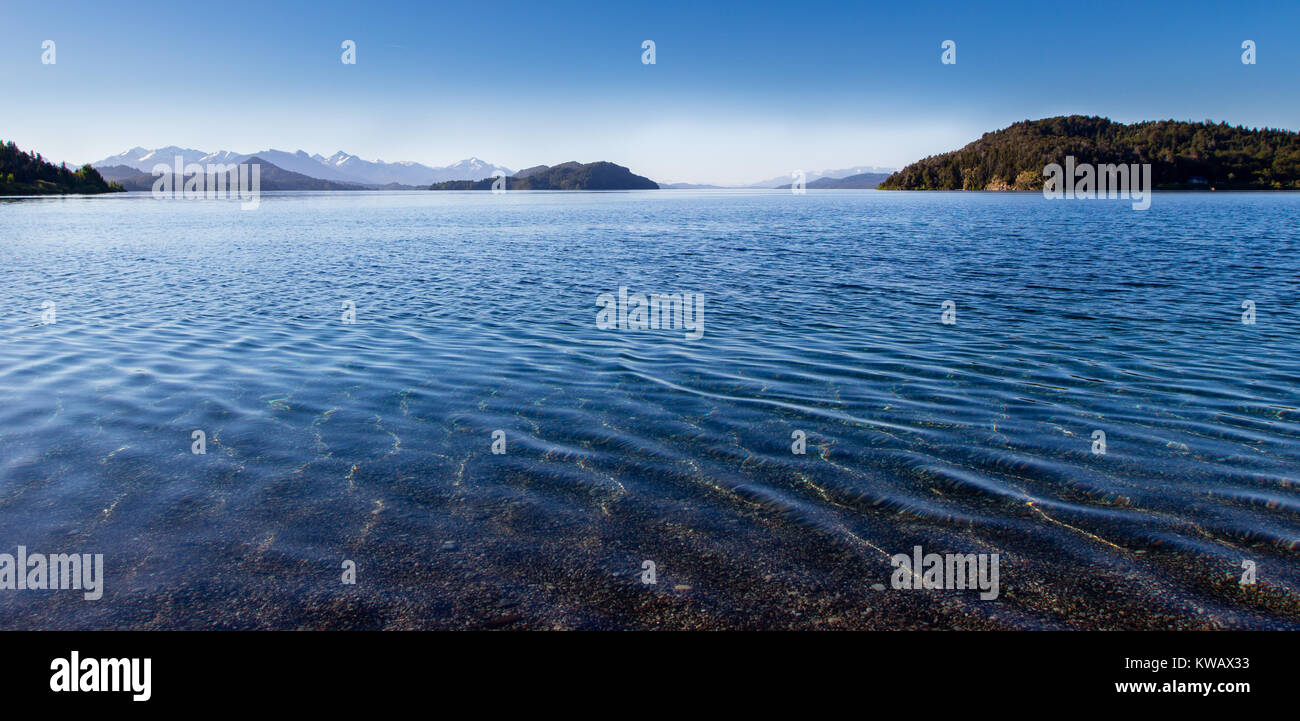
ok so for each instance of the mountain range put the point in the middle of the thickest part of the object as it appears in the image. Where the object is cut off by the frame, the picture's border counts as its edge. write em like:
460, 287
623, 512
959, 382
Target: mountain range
783, 181
810, 178
340, 167
861, 181
348, 169
271, 177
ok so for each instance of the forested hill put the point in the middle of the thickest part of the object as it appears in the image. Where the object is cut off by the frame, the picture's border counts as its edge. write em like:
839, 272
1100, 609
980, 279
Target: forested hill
29, 174
1182, 155
565, 176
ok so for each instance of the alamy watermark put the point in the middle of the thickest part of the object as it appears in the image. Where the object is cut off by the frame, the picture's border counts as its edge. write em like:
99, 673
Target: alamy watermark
96, 675
55, 572
949, 571
1249, 568
1248, 312
949, 56
655, 311
215, 181
1084, 181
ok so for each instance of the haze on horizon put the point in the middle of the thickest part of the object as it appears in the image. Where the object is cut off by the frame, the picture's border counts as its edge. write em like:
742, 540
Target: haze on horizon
739, 92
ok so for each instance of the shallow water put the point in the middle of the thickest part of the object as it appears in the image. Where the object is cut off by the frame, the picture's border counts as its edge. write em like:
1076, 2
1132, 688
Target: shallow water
371, 441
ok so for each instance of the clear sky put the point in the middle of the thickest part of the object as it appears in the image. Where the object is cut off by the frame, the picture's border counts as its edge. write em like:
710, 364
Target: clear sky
739, 92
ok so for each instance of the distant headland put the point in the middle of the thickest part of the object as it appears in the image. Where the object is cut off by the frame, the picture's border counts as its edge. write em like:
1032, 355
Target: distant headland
23, 173
565, 176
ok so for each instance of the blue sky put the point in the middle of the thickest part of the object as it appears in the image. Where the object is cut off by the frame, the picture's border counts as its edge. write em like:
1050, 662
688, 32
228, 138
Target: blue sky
740, 91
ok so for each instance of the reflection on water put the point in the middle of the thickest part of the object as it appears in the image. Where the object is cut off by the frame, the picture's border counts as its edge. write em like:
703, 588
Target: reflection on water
475, 312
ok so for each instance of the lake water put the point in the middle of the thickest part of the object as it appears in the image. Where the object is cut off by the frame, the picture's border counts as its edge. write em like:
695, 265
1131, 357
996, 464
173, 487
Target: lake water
372, 441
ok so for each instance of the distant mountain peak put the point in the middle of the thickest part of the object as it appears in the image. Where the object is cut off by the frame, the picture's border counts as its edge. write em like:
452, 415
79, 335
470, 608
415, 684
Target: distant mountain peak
341, 167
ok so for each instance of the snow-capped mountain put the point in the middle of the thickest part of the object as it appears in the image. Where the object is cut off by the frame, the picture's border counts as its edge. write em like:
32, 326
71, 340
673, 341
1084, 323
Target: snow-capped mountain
223, 156
378, 172
340, 167
470, 168
407, 172
301, 162
143, 159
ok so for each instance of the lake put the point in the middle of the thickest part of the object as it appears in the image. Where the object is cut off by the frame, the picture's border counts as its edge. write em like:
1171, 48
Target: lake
417, 383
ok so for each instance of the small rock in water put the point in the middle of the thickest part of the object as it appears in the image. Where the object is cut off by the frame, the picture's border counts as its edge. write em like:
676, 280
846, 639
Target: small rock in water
877, 586
681, 587
449, 546
501, 621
